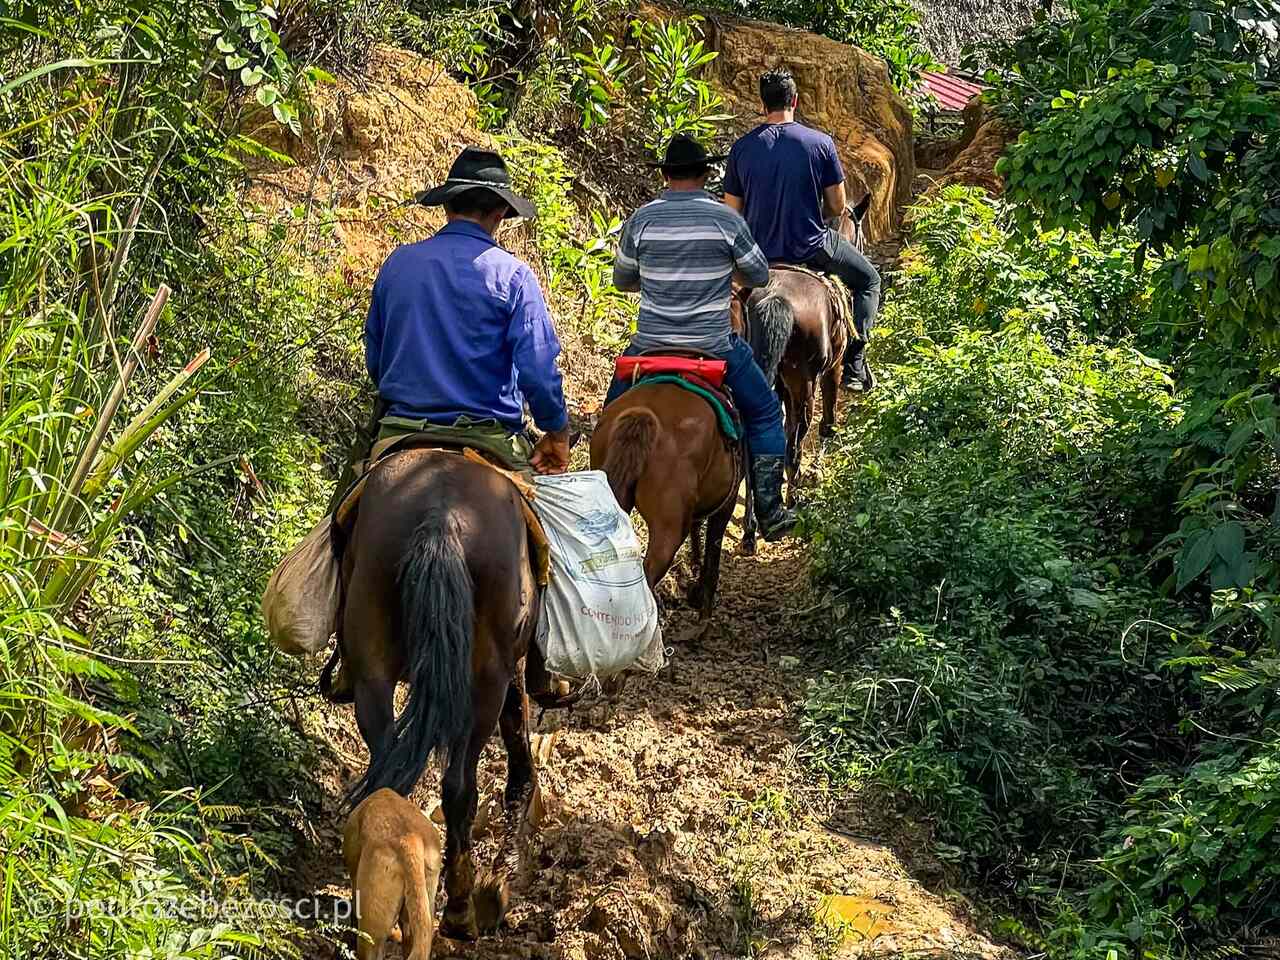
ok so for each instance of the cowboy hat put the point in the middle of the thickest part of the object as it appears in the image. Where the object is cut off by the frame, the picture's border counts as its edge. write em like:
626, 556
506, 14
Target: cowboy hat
478, 168
685, 153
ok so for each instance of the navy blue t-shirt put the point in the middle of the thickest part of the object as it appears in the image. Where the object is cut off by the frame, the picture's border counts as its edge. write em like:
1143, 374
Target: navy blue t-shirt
780, 170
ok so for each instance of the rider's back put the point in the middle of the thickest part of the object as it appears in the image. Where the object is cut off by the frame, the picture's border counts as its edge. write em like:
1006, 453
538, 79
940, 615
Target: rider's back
780, 171
447, 317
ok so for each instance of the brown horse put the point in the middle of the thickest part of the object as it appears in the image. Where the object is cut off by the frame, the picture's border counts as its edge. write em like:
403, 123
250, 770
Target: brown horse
796, 334
441, 592
664, 454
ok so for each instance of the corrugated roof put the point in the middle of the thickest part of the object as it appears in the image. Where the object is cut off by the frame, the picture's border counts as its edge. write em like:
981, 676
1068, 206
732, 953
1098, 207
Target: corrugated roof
952, 92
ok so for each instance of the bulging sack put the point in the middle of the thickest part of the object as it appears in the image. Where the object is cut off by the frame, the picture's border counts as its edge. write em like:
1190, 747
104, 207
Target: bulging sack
598, 613
300, 604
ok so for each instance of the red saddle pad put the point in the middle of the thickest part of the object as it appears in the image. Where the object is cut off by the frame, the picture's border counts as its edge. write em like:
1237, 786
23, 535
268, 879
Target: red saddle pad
712, 371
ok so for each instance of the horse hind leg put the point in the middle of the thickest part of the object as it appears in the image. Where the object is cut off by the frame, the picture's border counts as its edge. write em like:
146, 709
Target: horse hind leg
697, 537
830, 396
459, 797
492, 895
710, 580
750, 527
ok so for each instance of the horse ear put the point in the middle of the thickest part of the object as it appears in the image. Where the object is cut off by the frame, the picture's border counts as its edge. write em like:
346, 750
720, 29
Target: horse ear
859, 209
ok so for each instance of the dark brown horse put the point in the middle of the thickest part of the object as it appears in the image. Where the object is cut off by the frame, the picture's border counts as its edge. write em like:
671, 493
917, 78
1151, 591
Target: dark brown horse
441, 592
663, 451
799, 339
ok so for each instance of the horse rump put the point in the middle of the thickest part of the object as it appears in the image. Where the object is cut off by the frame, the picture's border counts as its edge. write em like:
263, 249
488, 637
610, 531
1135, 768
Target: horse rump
436, 598
630, 443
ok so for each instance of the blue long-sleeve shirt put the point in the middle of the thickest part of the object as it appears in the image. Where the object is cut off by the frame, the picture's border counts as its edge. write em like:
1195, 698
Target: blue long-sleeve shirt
458, 327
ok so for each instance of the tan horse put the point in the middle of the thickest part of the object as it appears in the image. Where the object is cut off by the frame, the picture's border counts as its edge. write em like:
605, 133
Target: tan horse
663, 451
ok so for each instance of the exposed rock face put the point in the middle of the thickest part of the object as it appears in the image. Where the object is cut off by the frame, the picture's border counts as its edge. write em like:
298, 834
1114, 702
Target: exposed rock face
843, 90
982, 143
366, 149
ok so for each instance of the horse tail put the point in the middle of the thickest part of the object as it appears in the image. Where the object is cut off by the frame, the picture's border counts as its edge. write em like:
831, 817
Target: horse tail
770, 319
437, 605
630, 444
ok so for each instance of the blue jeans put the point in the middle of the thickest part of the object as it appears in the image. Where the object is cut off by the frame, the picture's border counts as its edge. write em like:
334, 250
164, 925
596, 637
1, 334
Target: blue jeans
758, 404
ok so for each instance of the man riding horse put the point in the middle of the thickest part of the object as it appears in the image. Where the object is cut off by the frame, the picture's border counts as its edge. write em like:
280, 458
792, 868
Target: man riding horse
785, 179
458, 336
440, 570
458, 339
681, 252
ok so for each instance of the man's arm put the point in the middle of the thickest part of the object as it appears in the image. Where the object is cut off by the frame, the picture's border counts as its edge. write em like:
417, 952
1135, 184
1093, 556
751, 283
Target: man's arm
834, 200
534, 348
733, 189
833, 193
373, 336
626, 268
751, 269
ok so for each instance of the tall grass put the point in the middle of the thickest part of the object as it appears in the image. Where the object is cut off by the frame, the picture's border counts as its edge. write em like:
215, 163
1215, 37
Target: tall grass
79, 167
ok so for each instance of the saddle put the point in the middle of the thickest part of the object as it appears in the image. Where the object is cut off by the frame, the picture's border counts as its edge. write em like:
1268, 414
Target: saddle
691, 370
836, 290
541, 546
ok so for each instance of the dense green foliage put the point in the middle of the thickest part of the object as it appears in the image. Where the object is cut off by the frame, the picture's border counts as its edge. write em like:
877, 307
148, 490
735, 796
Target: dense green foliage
136, 447
1164, 116
1002, 531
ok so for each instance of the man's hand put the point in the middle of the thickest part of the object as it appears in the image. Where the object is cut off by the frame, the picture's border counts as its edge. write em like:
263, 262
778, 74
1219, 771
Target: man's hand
551, 453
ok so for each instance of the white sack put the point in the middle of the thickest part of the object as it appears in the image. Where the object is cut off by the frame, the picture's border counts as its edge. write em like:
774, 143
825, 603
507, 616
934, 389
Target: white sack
598, 614
300, 604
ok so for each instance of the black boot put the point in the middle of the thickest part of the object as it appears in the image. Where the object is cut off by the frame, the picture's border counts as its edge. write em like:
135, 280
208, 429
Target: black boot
776, 521
857, 373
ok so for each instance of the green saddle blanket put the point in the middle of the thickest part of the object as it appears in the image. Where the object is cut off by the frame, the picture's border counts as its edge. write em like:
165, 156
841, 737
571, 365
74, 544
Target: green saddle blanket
724, 416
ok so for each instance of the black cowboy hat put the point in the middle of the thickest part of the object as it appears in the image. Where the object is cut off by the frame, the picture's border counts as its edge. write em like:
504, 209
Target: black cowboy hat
685, 153
478, 168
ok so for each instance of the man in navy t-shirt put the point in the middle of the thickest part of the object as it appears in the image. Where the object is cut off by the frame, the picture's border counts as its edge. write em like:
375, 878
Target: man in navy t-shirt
786, 179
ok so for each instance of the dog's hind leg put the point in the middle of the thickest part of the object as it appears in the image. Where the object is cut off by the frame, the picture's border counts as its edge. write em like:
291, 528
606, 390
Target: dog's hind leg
379, 873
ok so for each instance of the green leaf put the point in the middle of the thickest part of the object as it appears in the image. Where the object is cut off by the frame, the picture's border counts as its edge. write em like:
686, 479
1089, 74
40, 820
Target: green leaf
1228, 541
1196, 554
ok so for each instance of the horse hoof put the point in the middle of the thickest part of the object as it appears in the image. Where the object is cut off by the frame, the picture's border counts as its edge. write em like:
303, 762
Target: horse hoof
456, 929
748, 548
492, 898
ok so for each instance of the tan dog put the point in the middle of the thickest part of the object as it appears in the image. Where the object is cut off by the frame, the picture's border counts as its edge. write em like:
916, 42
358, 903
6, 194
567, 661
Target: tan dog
392, 852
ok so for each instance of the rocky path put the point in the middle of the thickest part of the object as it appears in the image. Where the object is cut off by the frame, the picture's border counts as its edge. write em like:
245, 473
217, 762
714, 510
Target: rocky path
679, 821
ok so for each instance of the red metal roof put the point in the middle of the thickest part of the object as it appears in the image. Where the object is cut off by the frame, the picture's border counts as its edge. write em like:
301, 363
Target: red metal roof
952, 92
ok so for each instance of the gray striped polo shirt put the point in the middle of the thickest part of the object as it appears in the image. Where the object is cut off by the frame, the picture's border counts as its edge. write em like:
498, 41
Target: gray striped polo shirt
680, 252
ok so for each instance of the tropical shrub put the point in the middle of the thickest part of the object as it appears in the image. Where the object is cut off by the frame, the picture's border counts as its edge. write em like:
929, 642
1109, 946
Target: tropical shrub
1005, 535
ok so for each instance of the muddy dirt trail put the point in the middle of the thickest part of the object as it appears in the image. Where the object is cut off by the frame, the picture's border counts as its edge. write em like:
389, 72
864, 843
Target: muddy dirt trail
679, 820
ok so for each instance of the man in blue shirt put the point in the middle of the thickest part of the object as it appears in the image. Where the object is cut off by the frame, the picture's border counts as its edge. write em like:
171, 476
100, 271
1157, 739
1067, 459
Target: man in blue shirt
785, 179
458, 337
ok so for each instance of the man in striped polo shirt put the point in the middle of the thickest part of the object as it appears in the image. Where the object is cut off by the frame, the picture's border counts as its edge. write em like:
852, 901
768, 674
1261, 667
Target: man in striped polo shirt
681, 253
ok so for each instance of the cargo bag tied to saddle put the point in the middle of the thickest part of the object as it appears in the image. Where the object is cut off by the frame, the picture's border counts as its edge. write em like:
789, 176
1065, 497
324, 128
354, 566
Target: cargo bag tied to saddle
300, 604
599, 616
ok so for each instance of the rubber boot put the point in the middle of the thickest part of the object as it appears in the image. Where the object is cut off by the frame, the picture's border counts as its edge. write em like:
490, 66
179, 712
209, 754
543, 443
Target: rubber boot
776, 521
857, 372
